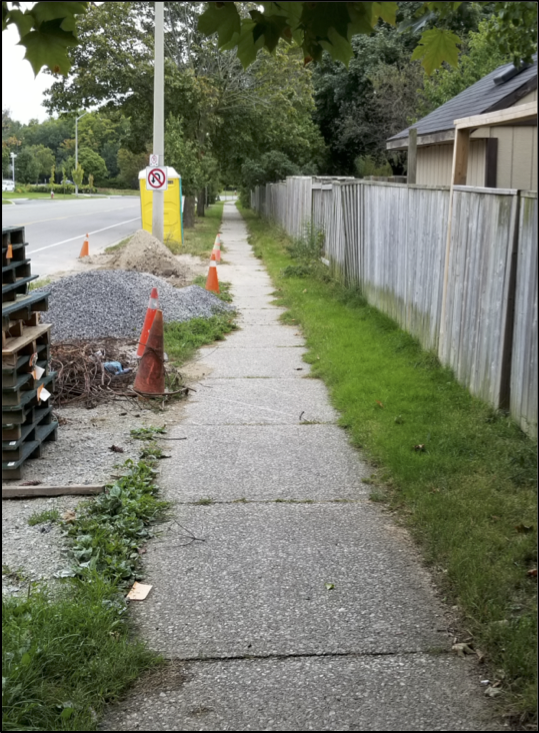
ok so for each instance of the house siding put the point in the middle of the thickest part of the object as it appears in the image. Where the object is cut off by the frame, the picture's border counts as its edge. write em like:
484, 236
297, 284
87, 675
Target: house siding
517, 159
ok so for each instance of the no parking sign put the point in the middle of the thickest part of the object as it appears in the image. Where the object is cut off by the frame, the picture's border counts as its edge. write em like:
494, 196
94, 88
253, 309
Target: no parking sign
156, 179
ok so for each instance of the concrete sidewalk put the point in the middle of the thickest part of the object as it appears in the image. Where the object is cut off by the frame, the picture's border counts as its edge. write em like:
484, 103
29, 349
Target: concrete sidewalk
304, 607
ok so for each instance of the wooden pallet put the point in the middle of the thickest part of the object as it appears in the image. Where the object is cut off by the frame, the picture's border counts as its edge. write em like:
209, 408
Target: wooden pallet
27, 420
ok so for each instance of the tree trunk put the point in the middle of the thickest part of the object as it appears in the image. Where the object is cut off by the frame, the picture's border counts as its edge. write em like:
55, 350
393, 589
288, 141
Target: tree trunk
189, 212
201, 202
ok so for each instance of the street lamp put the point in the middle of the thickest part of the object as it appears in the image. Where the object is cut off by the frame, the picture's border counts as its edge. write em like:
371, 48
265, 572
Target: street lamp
77, 148
13, 156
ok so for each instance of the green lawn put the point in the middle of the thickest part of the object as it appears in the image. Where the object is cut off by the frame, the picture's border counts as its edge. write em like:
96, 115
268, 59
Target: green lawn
199, 240
459, 474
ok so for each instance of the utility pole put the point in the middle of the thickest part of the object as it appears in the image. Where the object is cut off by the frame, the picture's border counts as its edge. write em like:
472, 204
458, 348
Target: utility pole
77, 148
158, 198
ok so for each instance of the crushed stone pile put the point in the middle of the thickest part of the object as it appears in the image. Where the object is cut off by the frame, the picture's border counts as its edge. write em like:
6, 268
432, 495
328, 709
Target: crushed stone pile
114, 302
145, 253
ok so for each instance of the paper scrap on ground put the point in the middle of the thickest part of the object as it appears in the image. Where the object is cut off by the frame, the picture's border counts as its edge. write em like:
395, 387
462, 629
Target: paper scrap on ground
139, 591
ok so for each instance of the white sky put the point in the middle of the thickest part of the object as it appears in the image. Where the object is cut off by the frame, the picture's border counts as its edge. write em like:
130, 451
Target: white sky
22, 93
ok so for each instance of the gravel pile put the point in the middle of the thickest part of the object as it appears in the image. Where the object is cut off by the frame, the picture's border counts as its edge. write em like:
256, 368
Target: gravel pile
114, 303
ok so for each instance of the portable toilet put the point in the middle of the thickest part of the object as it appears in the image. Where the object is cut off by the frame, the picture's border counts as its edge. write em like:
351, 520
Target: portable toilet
173, 224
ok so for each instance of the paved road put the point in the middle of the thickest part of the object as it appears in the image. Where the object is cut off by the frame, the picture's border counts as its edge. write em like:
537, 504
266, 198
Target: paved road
302, 606
55, 230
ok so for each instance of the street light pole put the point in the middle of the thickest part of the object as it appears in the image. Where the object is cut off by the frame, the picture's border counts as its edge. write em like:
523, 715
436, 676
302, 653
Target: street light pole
77, 148
13, 156
158, 197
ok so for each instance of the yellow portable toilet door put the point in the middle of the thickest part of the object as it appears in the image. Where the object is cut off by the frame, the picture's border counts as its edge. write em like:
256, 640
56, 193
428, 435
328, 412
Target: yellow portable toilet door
173, 224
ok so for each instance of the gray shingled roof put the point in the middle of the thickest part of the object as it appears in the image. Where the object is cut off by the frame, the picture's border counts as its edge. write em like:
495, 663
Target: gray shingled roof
475, 100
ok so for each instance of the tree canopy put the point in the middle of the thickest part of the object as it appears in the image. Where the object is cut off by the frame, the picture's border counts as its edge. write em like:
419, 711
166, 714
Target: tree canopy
330, 26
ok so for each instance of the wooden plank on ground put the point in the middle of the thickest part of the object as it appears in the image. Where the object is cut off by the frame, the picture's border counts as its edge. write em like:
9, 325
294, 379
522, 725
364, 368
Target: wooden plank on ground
23, 492
13, 346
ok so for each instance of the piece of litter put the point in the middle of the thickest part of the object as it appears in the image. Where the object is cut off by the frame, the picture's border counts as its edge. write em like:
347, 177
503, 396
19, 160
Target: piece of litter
139, 591
485, 682
462, 649
330, 586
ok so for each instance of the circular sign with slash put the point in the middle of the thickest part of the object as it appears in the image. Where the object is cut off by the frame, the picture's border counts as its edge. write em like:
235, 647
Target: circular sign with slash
156, 179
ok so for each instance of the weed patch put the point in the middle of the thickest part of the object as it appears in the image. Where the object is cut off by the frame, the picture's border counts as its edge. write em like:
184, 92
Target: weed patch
183, 339
460, 475
49, 515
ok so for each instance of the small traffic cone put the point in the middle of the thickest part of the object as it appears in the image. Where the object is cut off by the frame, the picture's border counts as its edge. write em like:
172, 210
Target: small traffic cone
212, 283
85, 251
217, 248
150, 315
150, 377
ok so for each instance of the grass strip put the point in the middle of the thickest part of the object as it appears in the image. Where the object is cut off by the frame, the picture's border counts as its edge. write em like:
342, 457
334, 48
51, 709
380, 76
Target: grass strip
183, 339
200, 239
461, 475
65, 656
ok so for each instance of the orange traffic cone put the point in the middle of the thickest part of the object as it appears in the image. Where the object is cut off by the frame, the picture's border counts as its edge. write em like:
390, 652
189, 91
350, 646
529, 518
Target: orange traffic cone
150, 315
85, 251
212, 283
217, 248
150, 377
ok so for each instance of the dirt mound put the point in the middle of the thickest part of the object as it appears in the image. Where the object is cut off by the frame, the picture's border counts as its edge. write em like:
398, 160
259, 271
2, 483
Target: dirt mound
145, 253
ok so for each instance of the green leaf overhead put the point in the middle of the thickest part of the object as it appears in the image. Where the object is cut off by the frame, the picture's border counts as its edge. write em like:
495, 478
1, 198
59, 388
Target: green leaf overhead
48, 46
47, 30
436, 46
220, 18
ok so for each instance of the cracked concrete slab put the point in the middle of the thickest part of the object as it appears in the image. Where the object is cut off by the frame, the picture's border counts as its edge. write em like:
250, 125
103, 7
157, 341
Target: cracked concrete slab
258, 584
262, 462
399, 693
277, 335
259, 401
272, 361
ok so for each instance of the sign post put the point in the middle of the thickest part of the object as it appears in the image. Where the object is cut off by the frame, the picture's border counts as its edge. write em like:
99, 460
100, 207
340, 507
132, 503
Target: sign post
159, 180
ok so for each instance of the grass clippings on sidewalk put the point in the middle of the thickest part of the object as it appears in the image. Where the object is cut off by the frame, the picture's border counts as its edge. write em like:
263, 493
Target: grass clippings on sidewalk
461, 475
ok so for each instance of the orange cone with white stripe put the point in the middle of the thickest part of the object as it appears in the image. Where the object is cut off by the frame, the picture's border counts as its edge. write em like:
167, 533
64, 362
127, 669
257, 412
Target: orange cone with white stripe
85, 251
150, 379
150, 315
217, 248
212, 283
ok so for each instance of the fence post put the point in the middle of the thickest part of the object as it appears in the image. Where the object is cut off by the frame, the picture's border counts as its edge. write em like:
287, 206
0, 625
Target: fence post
412, 155
507, 353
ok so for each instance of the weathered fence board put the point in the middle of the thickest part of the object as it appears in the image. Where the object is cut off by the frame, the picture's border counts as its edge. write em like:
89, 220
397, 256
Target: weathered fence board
482, 240
524, 354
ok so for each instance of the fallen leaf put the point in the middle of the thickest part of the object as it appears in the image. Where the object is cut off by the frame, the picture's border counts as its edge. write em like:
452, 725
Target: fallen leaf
69, 516
493, 692
462, 649
532, 573
379, 403
330, 586
123, 414
142, 550
31, 483
523, 528
305, 290
116, 449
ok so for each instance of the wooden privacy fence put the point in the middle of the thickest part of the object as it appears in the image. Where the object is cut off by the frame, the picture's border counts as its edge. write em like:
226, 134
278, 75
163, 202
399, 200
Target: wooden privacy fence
390, 240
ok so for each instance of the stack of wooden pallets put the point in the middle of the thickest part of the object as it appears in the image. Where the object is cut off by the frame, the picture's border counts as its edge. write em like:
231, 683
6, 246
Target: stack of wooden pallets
27, 419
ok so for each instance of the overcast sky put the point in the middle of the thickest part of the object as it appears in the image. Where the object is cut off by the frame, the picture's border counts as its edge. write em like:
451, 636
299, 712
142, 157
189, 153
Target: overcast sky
21, 92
